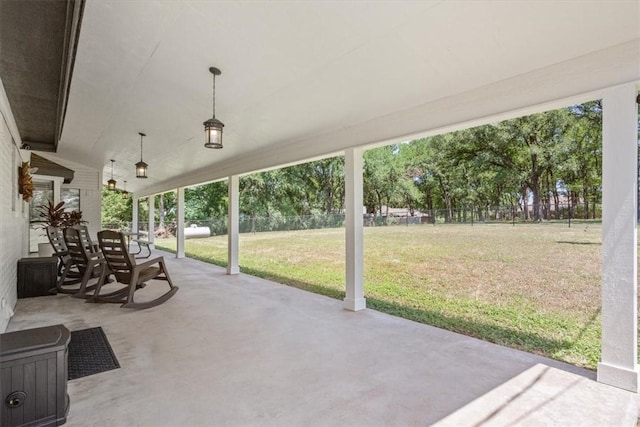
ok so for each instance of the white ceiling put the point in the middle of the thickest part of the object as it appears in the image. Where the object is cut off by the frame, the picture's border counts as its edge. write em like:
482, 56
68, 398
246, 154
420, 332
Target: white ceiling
304, 79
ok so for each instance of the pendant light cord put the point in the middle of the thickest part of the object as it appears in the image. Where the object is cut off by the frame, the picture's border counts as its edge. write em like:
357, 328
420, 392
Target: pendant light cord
214, 95
141, 148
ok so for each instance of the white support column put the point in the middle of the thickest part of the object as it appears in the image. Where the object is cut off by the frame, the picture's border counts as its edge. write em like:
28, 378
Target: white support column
233, 225
180, 224
57, 183
152, 212
353, 163
134, 215
619, 359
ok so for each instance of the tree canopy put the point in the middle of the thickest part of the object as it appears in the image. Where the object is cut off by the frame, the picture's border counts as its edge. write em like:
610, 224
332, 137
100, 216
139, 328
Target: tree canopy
539, 165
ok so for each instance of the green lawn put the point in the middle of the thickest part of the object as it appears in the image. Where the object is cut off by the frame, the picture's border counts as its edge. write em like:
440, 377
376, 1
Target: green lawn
534, 287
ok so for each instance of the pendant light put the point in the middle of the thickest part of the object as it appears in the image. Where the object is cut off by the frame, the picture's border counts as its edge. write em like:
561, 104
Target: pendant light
111, 184
125, 193
141, 167
213, 127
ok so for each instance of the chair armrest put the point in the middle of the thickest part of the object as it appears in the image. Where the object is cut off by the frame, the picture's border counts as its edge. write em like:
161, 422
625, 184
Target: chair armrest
150, 262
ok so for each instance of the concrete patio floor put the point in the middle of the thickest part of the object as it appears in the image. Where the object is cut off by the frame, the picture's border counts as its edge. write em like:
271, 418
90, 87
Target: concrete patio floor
238, 350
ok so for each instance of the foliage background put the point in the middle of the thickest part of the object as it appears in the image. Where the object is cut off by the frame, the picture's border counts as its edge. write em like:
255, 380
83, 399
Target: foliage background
540, 167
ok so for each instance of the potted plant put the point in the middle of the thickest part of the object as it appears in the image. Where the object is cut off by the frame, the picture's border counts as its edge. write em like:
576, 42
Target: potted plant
56, 216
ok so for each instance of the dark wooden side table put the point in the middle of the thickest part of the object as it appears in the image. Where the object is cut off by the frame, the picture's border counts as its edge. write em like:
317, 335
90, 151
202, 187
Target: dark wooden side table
37, 276
33, 368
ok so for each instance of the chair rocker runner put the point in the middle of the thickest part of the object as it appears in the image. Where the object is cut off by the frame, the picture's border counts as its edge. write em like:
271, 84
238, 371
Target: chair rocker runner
89, 262
123, 265
68, 274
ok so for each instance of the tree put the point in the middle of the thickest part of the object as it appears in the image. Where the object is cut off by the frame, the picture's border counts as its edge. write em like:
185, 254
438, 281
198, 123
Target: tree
382, 174
116, 210
206, 201
535, 159
257, 193
580, 155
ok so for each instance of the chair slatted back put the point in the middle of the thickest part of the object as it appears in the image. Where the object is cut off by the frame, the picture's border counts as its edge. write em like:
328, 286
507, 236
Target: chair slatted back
85, 237
80, 247
114, 247
56, 238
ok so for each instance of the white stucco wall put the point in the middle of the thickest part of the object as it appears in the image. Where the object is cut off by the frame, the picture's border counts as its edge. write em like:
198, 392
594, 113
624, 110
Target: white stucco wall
13, 215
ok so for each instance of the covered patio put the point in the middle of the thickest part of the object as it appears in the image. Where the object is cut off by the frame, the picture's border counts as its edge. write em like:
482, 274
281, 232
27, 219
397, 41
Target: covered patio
308, 80
246, 351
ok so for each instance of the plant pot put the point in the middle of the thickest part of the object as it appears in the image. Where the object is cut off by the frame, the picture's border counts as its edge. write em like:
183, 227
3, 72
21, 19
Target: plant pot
45, 249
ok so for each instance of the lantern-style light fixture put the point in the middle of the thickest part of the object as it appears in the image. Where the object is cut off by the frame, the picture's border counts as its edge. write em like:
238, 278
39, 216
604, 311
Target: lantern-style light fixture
213, 127
125, 193
141, 167
111, 184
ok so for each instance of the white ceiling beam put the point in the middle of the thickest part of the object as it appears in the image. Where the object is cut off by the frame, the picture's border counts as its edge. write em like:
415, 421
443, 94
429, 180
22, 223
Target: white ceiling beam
567, 83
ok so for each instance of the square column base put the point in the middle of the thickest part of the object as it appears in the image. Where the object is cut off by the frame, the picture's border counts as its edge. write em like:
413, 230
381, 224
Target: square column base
617, 376
233, 270
355, 304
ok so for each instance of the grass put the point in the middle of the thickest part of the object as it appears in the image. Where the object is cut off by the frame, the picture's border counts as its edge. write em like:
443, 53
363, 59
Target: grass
535, 287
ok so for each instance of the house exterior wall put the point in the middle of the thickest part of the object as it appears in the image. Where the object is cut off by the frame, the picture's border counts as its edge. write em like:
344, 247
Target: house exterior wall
89, 182
14, 213
13, 216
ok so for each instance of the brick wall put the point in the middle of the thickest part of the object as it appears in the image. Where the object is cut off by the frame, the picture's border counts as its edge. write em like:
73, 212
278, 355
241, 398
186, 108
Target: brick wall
13, 216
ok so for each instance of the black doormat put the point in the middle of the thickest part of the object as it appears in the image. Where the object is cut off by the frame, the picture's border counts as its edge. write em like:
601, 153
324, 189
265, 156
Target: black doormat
90, 353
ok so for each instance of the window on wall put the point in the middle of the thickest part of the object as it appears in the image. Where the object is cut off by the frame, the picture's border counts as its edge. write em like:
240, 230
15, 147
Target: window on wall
71, 198
42, 193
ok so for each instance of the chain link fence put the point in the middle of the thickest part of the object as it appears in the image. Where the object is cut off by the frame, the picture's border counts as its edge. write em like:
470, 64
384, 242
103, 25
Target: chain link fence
397, 217
512, 214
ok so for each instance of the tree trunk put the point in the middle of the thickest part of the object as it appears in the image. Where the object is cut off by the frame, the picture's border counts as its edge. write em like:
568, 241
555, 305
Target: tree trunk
585, 201
534, 185
161, 230
481, 213
536, 203
329, 206
429, 200
447, 212
379, 202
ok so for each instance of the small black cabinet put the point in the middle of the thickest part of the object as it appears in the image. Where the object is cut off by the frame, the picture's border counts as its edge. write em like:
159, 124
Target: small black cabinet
37, 276
33, 370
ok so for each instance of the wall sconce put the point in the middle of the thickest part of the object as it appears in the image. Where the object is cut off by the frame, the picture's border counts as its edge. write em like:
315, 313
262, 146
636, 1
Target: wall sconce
111, 184
213, 127
141, 167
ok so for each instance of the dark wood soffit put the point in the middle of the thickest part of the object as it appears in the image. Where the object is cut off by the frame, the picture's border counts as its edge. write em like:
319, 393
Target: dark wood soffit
38, 41
47, 167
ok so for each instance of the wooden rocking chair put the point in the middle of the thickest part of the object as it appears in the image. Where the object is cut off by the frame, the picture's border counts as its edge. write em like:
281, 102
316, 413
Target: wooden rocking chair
68, 275
128, 272
90, 263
